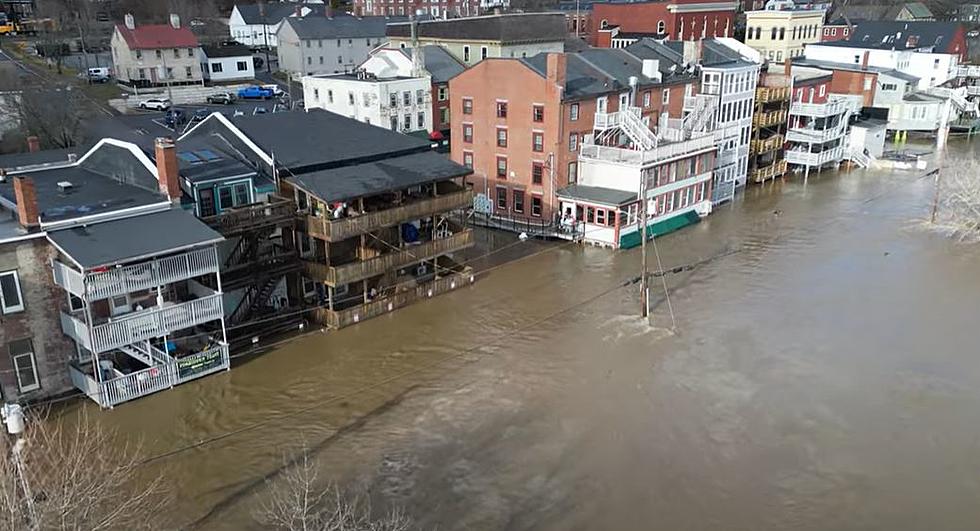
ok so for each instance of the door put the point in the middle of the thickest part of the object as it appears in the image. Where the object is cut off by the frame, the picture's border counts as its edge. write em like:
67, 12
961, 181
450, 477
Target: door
205, 200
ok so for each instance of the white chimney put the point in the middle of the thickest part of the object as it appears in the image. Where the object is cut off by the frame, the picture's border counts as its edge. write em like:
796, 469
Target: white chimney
651, 69
130, 21
175, 20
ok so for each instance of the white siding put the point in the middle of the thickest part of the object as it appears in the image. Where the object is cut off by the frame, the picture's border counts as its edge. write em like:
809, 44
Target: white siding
228, 67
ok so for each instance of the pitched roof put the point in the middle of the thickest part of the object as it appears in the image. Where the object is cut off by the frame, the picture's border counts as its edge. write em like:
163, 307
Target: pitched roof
359, 180
852, 67
509, 28
902, 35
916, 9
440, 64
48, 156
601, 70
339, 27
274, 12
134, 238
859, 13
155, 36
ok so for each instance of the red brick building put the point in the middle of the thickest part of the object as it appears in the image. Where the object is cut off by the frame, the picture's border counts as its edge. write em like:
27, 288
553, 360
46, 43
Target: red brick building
673, 19
522, 137
835, 31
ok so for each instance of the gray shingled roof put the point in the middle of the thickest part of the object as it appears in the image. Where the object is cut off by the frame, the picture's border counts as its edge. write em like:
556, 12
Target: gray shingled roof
322, 138
851, 67
899, 35
596, 194
340, 27
440, 64
212, 52
395, 173
48, 156
510, 28
134, 238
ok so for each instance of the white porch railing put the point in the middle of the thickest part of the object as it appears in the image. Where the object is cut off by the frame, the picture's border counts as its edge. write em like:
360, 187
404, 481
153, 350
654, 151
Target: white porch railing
642, 157
973, 90
806, 134
818, 110
968, 71
138, 384
146, 275
143, 324
804, 158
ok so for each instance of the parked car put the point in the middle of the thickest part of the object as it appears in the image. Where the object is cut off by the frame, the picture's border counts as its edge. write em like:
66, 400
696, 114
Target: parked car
258, 110
258, 62
276, 90
200, 114
156, 104
255, 93
224, 98
175, 117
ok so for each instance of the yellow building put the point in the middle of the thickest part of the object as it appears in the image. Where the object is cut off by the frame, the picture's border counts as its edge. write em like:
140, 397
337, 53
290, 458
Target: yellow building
782, 34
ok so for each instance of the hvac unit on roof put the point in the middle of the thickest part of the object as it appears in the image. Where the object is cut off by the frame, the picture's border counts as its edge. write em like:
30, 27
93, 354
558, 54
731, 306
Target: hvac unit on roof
65, 186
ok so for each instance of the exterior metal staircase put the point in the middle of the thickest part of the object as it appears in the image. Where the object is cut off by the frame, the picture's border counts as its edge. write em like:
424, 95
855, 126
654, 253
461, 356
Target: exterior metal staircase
639, 133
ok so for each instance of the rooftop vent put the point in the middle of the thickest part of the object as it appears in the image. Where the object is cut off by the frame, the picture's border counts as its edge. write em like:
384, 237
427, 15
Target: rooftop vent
65, 186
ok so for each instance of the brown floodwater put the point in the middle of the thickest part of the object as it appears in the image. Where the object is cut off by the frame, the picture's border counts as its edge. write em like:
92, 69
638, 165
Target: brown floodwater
824, 374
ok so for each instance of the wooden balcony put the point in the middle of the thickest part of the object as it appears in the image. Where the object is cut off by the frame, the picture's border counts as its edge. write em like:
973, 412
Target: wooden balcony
354, 271
771, 94
248, 217
334, 230
776, 169
768, 119
350, 316
769, 144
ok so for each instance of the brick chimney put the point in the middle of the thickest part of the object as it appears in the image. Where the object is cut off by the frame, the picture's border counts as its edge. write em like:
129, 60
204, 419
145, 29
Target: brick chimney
787, 67
168, 172
557, 66
33, 144
298, 11
26, 197
864, 60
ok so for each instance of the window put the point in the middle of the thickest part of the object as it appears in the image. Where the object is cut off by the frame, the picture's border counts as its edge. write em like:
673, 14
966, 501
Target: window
22, 354
159, 54
406, 98
889, 86
573, 172
600, 104
537, 113
407, 122
823, 90
466, 54
573, 112
600, 216
444, 115
142, 74
867, 83
772, 37
935, 63
443, 93
468, 133
483, 52
350, 98
501, 137
340, 59
468, 159
666, 96
242, 66
501, 167
420, 120
536, 205
501, 109
624, 100
646, 99
329, 96
661, 27
537, 142
590, 214
519, 201
501, 199
11, 299
215, 68
170, 73
139, 54
572, 141
467, 106
316, 94
537, 172
309, 60
393, 99
419, 96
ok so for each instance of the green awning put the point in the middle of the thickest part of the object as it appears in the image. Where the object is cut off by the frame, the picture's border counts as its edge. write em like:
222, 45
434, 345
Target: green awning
632, 239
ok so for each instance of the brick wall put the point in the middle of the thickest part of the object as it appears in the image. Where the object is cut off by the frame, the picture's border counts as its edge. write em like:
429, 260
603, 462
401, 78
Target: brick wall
39, 321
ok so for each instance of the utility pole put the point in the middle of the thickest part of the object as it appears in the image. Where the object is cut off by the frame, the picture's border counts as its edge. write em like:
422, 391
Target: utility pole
642, 226
941, 137
265, 34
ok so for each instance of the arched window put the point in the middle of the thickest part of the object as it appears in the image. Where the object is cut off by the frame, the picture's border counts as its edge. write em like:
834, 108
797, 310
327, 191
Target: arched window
661, 27
749, 33
604, 24
758, 33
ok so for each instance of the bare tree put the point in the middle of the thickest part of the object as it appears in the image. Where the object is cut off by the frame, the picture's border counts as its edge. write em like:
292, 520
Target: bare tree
957, 205
76, 476
51, 113
299, 501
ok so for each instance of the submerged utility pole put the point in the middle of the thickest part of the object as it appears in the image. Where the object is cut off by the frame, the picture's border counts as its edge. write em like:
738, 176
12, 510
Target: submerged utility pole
644, 275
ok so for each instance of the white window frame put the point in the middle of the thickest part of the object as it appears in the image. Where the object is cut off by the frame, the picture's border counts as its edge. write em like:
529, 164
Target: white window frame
19, 307
666, 96
30, 356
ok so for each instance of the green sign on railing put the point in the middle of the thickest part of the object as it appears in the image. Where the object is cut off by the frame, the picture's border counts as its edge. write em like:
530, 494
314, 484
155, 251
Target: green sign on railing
199, 363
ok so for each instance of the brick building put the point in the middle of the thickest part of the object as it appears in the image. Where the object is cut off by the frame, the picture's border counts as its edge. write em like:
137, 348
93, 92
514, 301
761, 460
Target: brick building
670, 19
522, 138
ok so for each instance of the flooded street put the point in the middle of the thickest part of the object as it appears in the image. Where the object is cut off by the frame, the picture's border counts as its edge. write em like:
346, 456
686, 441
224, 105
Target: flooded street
824, 375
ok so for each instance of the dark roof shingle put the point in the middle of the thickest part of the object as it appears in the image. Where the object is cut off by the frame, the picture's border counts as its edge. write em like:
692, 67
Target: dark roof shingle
510, 28
339, 27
